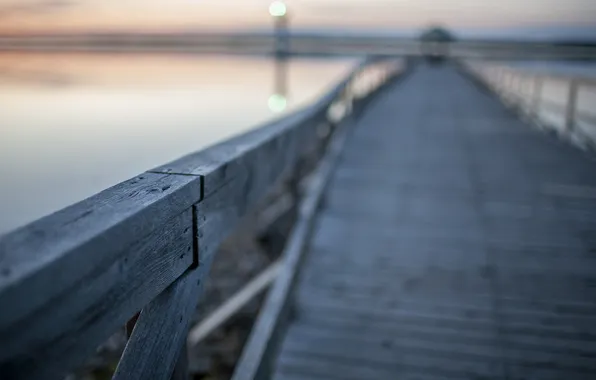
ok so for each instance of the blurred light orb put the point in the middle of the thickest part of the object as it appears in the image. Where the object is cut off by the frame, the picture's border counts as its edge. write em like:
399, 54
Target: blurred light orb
278, 9
277, 103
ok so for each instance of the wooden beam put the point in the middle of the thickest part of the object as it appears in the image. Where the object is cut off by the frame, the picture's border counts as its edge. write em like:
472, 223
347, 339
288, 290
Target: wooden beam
76, 240
86, 270
162, 327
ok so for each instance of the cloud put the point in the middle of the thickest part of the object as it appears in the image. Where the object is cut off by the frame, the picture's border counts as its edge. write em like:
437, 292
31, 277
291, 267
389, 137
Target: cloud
43, 6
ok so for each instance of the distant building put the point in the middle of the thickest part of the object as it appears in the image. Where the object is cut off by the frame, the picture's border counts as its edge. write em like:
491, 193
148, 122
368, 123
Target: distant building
435, 43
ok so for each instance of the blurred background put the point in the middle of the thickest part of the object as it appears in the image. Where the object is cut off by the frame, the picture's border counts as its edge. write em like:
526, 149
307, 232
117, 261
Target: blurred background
93, 92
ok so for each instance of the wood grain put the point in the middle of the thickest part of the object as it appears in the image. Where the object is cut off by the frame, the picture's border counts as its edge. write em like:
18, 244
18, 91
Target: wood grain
162, 328
68, 329
48, 257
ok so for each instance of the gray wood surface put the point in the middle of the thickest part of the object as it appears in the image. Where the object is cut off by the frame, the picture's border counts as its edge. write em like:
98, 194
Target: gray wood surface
160, 333
455, 242
162, 328
66, 330
181, 369
78, 239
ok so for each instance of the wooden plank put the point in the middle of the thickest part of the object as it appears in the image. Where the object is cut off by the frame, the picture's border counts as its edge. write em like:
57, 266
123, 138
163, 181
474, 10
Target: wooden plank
476, 334
307, 367
377, 334
515, 311
181, 369
339, 368
401, 358
390, 348
161, 330
78, 239
569, 191
68, 328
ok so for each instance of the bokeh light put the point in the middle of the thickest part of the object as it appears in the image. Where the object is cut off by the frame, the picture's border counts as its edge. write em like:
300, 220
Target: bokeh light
278, 9
277, 103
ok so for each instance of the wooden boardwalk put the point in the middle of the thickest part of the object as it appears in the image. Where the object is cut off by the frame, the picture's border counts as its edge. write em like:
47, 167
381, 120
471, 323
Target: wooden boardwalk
454, 242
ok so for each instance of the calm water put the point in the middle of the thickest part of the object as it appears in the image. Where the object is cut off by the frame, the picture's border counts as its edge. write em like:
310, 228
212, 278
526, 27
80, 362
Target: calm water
72, 125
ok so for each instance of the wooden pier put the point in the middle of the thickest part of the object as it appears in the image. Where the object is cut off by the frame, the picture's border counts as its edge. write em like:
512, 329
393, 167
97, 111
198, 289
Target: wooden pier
454, 243
439, 237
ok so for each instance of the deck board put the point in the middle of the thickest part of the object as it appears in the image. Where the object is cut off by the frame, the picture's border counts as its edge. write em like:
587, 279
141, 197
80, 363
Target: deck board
455, 242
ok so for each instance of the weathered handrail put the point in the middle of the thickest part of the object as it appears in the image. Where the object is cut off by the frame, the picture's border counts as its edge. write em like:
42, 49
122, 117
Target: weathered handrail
70, 279
524, 89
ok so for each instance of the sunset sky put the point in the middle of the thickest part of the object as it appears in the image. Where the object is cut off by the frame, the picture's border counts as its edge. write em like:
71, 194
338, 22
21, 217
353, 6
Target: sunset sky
158, 15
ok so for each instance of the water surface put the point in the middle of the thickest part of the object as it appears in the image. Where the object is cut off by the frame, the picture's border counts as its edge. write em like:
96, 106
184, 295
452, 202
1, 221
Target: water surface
72, 125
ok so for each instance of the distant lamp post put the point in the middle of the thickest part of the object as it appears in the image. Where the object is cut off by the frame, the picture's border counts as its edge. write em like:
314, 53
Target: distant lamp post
278, 9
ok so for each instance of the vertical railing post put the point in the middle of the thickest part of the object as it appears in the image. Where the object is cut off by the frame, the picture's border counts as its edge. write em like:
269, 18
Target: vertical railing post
571, 106
507, 86
513, 86
513, 89
500, 81
522, 94
520, 86
536, 96
528, 86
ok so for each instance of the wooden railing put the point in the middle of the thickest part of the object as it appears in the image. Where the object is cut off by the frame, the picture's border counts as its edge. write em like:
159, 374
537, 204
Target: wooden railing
69, 280
561, 103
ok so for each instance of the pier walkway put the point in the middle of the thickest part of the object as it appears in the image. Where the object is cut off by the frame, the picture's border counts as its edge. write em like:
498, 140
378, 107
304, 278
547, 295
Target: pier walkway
454, 241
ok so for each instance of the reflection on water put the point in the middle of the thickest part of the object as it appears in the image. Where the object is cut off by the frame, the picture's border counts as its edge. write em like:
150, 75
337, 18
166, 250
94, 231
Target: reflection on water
278, 101
72, 125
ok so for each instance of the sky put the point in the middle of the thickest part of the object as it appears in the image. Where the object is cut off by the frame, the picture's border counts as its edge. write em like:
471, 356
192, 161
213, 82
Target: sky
163, 15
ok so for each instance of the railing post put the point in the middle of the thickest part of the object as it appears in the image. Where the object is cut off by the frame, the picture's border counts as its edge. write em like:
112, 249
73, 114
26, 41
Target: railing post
522, 94
513, 88
528, 91
536, 96
507, 86
519, 89
500, 85
571, 105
